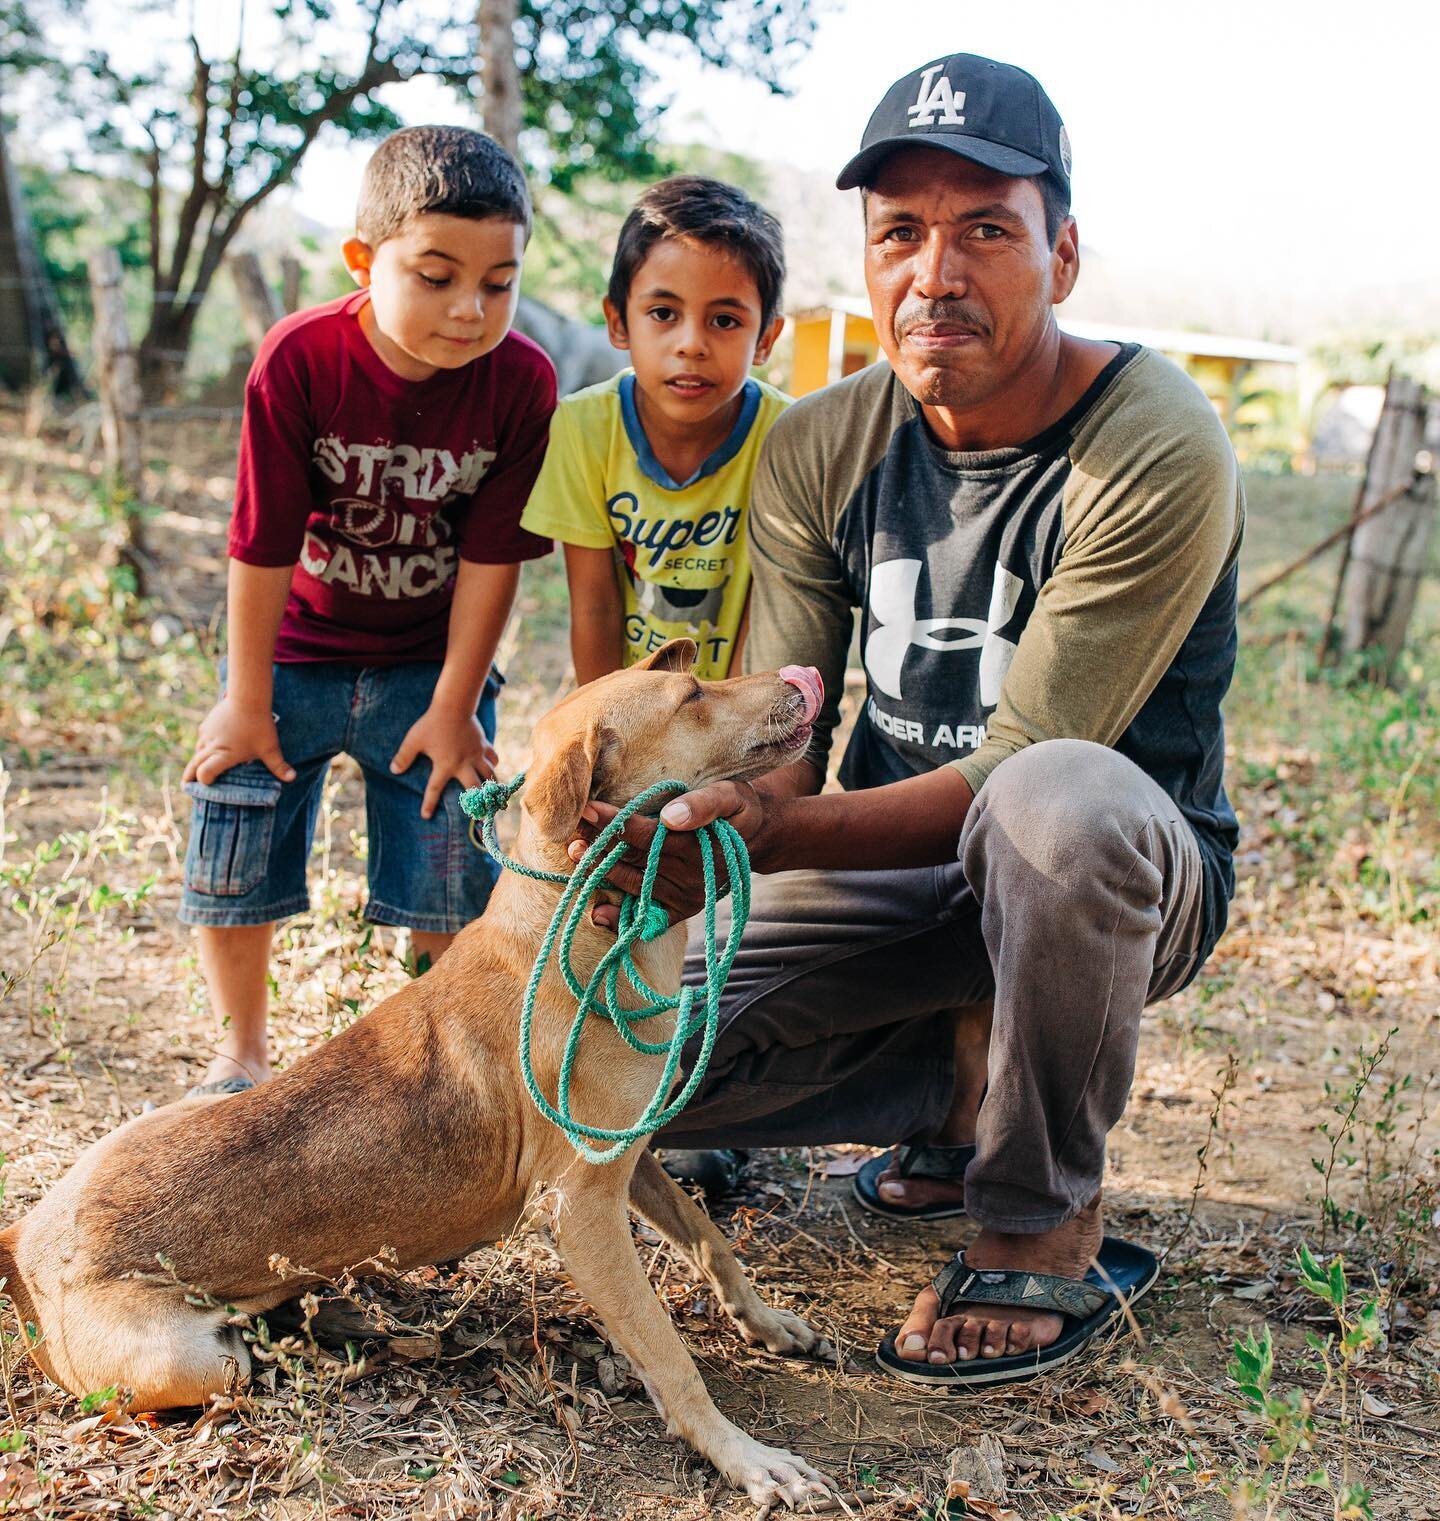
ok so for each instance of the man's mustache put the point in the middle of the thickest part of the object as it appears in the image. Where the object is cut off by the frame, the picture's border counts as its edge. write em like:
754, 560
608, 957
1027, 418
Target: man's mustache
952, 312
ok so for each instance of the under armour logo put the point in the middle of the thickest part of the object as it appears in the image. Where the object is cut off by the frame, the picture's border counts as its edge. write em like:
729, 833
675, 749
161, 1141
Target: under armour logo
937, 97
895, 628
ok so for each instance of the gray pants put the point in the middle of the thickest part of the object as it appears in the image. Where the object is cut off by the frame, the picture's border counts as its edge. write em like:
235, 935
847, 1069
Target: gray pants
1076, 900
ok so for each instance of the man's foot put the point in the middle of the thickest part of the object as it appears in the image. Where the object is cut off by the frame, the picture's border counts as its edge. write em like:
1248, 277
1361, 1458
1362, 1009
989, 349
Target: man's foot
226, 1067
920, 1193
992, 1331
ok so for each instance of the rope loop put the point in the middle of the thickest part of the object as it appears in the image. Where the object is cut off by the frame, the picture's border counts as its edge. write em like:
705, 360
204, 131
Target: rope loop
641, 920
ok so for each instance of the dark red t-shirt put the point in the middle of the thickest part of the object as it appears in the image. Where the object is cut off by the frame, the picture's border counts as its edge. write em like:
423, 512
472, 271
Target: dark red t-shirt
372, 485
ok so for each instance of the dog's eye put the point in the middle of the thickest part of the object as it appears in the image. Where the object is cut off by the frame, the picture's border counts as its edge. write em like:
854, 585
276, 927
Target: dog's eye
695, 695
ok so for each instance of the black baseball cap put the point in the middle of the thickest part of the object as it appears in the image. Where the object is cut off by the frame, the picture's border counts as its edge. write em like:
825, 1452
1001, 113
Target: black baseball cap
993, 113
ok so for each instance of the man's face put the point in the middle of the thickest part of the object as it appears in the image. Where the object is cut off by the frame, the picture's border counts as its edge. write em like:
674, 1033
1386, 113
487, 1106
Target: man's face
442, 290
960, 274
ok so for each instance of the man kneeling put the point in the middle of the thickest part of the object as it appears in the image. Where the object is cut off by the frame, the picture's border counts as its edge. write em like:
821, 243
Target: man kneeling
1042, 534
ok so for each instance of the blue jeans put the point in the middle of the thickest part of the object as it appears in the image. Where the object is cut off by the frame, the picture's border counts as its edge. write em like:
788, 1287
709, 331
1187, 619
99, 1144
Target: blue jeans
250, 834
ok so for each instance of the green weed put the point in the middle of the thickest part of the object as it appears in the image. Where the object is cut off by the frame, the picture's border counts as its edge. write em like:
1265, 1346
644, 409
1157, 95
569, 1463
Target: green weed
1287, 1418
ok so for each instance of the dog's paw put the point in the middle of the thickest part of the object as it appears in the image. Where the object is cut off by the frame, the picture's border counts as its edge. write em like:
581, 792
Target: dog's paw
781, 1331
773, 1477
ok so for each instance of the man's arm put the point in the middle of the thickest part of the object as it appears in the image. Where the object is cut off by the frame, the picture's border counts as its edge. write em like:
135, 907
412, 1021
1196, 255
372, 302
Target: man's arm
448, 731
1154, 510
597, 616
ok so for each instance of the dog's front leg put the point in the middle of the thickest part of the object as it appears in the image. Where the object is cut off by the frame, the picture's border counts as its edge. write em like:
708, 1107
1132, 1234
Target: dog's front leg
593, 1231
660, 1199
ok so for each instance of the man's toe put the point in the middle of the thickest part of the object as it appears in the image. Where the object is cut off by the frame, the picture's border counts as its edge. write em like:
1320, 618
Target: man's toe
891, 1186
967, 1338
912, 1339
992, 1337
942, 1341
1021, 1337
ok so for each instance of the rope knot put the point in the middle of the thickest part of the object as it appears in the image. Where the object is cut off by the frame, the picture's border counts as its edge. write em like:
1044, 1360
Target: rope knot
656, 922
489, 798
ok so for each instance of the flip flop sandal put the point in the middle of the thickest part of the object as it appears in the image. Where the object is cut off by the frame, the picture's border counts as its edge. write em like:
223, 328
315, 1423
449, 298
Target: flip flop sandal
945, 1164
1089, 1305
717, 1170
220, 1089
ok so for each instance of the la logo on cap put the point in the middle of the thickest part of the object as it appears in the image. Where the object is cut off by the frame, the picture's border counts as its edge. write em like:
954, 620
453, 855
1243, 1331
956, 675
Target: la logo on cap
937, 101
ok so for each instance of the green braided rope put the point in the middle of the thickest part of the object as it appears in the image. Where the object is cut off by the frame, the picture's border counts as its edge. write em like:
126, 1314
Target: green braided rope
641, 919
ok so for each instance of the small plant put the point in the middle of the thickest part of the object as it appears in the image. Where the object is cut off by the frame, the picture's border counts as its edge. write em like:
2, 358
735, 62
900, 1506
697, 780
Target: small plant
1219, 1095
1288, 1418
1375, 1132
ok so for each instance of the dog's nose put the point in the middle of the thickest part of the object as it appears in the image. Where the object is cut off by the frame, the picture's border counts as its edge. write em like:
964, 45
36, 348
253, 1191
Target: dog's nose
806, 680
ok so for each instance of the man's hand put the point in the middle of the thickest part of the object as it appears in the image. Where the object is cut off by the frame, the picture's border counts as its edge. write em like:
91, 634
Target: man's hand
680, 885
231, 735
457, 748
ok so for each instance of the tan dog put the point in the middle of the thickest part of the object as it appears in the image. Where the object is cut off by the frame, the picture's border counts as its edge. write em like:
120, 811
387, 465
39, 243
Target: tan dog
412, 1130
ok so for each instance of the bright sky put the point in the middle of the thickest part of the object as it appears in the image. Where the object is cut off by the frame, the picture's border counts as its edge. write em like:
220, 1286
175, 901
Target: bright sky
1247, 139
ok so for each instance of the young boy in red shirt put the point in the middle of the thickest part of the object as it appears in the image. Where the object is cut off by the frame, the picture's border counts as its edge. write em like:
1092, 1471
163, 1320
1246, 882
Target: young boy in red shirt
390, 441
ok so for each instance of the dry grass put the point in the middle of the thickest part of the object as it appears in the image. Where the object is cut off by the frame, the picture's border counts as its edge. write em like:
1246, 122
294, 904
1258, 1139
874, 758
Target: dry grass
486, 1388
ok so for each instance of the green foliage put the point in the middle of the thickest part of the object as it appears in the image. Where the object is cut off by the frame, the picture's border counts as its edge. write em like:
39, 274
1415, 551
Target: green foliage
585, 101
568, 261
1287, 1420
99, 1399
1334, 768
72, 212
1366, 358
80, 647
206, 138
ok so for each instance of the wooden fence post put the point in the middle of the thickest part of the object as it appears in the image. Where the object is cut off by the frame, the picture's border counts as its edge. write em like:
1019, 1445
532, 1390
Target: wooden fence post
260, 308
1388, 552
290, 280
117, 378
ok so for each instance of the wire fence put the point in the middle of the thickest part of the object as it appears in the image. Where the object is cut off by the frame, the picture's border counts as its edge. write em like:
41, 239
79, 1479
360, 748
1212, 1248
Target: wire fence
79, 314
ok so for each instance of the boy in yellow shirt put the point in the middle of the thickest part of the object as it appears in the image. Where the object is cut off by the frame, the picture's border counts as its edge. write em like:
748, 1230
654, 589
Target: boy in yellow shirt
646, 480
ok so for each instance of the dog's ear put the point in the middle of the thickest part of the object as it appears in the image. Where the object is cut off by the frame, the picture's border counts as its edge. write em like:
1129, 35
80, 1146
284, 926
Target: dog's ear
561, 785
674, 655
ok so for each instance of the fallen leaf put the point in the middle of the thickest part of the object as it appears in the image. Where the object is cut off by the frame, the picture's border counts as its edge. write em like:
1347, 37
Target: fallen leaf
19, 1488
1376, 1407
847, 1164
414, 1348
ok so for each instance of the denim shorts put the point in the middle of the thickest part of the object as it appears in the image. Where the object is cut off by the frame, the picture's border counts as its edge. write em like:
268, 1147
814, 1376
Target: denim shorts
250, 833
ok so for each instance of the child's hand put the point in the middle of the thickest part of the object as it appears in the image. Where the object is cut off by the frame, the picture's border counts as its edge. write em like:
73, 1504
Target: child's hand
230, 736
457, 748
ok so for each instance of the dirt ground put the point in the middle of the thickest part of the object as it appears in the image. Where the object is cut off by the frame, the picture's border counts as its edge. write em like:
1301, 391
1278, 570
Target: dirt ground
493, 1391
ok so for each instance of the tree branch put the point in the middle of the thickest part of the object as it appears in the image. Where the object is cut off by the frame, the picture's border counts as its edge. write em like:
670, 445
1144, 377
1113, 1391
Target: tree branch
227, 127
152, 193
199, 191
376, 74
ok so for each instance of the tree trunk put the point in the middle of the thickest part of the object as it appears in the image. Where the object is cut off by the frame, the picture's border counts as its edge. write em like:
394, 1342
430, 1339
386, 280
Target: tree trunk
163, 350
1388, 552
117, 377
499, 76
32, 336
259, 306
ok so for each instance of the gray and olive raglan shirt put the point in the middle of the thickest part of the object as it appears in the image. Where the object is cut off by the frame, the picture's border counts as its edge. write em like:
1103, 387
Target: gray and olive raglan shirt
1081, 585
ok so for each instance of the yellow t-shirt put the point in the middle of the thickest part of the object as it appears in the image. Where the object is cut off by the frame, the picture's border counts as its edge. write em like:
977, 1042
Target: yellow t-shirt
682, 555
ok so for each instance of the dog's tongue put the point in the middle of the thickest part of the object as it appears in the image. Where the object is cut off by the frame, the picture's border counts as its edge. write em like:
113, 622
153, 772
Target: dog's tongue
806, 680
